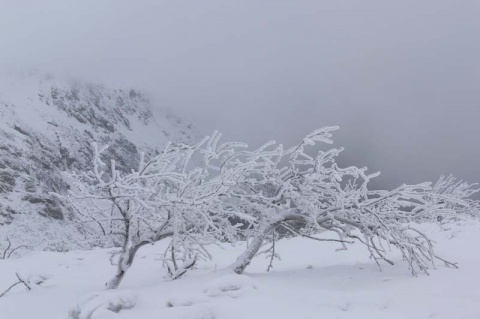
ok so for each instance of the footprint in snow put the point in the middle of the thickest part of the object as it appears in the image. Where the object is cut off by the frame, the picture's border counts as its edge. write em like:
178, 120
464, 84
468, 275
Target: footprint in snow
233, 286
186, 301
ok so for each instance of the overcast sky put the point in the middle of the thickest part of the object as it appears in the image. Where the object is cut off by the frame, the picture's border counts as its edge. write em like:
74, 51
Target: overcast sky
401, 78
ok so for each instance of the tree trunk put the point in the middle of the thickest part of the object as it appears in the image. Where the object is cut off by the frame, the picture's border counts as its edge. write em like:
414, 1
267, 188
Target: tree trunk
127, 257
124, 263
246, 257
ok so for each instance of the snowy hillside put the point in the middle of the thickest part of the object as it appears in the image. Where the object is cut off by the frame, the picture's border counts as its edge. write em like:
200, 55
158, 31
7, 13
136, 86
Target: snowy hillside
46, 127
179, 218
311, 281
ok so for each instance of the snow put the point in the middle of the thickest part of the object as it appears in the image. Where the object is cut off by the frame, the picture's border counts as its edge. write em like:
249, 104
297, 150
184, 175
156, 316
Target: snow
20, 92
311, 281
34, 133
103, 304
230, 285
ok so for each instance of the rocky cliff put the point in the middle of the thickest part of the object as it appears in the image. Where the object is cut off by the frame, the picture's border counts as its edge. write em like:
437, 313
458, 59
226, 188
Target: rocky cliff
47, 126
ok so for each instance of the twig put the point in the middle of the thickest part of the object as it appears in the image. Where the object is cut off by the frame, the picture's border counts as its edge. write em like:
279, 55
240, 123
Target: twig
13, 250
286, 226
7, 252
448, 263
20, 281
272, 255
23, 281
6, 249
9, 288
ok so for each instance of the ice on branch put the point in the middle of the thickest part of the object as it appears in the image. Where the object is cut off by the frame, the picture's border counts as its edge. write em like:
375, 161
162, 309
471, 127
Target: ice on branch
181, 194
306, 194
210, 192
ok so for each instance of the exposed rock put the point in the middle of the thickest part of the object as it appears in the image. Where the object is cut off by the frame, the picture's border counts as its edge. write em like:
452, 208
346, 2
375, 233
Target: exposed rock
7, 181
47, 127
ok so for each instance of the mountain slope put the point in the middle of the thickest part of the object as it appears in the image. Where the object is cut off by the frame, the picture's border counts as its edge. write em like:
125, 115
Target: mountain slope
47, 126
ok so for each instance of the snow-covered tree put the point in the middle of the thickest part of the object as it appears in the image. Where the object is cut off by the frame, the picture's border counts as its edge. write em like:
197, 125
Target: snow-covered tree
317, 195
124, 205
178, 194
210, 192
198, 207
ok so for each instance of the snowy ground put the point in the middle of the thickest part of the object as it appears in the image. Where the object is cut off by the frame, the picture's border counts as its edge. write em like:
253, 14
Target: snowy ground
311, 281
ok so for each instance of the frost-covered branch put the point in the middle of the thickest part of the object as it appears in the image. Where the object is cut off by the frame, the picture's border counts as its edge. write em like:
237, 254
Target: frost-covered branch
178, 194
298, 187
210, 192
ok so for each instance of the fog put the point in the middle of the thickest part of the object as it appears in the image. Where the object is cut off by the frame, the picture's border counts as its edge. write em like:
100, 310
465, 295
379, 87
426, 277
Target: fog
401, 78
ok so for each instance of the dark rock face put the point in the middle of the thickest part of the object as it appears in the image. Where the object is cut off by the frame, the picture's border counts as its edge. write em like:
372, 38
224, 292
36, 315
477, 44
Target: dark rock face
50, 129
7, 181
50, 206
34, 171
101, 109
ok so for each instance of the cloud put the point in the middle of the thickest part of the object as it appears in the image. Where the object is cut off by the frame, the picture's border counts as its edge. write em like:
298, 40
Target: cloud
401, 78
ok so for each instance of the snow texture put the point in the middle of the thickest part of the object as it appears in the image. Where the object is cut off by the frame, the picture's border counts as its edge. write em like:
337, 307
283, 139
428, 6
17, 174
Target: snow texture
230, 285
102, 304
344, 285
